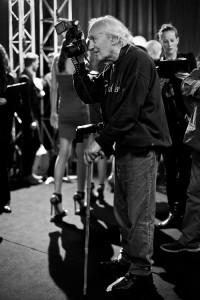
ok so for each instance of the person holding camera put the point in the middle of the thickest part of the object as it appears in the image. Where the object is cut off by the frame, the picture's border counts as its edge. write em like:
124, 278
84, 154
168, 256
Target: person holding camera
67, 112
128, 91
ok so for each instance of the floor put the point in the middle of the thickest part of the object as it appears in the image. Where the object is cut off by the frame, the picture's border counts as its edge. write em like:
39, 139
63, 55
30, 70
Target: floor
42, 261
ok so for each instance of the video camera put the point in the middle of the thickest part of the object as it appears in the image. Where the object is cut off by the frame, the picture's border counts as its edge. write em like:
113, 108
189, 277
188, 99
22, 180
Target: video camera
75, 46
87, 129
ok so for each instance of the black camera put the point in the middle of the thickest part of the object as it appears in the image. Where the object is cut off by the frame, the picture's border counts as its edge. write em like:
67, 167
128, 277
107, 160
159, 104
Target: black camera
87, 129
74, 45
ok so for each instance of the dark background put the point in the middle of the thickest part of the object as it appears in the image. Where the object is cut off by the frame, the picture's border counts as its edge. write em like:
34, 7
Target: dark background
142, 17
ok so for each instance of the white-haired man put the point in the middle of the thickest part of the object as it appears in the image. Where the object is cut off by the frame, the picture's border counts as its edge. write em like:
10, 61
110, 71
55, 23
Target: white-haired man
129, 94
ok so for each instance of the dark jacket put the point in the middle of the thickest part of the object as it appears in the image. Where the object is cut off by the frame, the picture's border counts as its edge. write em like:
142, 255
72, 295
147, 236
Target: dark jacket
130, 97
175, 108
6, 114
30, 109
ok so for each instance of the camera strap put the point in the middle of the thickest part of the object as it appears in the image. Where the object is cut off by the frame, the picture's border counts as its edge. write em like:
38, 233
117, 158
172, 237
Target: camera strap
76, 66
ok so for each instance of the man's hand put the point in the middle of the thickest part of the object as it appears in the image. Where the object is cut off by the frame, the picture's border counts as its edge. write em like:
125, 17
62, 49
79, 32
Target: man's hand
92, 152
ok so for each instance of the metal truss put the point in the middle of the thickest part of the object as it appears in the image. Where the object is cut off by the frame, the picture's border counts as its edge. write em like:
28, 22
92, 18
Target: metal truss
21, 16
21, 31
51, 12
22, 39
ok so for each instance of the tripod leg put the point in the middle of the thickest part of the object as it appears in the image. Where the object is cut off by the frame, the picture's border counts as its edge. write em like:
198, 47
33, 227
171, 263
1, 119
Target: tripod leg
87, 227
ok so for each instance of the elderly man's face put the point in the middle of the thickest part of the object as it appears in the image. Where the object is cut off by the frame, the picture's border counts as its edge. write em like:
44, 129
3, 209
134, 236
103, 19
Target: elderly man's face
101, 43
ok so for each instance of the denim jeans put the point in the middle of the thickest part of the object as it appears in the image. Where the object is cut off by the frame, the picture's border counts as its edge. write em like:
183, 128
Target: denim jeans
191, 222
134, 208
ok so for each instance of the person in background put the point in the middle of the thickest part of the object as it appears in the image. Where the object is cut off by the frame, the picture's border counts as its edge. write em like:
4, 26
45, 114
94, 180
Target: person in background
177, 158
7, 109
49, 134
154, 48
128, 91
66, 114
111, 177
198, 60
189, 240
30, 116
51, 141
48, 75
139, 40
95, 117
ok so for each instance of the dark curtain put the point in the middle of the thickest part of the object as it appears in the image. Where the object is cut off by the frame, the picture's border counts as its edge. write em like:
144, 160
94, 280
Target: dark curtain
145, 17
184, 15
142, 17
135, 14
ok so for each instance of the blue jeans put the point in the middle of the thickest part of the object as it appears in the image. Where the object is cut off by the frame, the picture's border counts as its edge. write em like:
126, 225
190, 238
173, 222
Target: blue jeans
191, 222
134, 208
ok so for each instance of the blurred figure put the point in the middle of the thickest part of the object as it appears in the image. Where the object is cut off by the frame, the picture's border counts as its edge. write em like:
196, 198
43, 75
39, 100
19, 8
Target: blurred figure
198, 61
48, 75
139, 40
111, 177
95, 67
189, 240
30, 116
177, 158
49, 134
7, 109
67, 113
154, 48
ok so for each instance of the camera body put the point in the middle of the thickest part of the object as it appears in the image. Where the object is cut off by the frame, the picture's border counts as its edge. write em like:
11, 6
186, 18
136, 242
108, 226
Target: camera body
87, 129
74, 44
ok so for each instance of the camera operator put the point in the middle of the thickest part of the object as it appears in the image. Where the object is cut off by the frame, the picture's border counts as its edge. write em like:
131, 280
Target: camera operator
129, 94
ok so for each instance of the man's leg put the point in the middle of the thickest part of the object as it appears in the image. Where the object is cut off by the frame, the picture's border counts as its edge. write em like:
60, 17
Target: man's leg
134, 207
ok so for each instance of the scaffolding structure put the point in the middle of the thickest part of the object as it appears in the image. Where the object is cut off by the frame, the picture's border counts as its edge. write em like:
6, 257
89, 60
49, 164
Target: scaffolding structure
21, 31
50, 13
22, 39
55, 11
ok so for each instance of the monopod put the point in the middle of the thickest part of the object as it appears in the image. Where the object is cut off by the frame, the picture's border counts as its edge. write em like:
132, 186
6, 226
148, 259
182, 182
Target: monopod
87, 227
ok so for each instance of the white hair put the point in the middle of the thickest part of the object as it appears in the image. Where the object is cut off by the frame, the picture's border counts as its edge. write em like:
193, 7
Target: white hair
139, 40
154, 48
114, 27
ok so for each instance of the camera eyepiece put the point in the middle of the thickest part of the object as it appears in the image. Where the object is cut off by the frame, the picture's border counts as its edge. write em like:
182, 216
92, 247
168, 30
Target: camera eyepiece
65, 25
